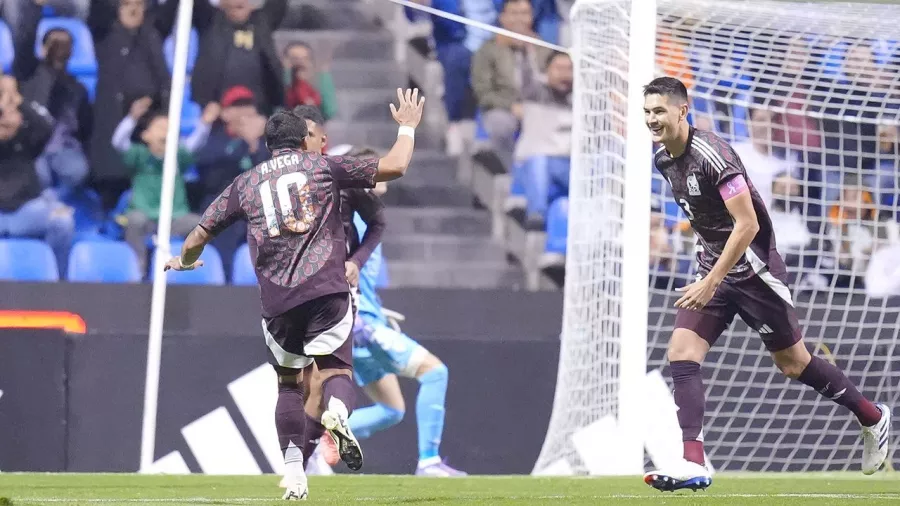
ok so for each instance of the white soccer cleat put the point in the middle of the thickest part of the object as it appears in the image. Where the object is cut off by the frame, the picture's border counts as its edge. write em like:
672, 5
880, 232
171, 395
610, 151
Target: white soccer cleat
876, 440
683, 475
296, 488
296, 494
335, 422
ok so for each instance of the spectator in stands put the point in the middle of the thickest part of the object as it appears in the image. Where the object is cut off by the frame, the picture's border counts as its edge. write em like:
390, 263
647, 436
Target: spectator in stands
886, 177
25, 128
455, 44
48, 83
12, 11
883, 272
308, 80
777, 181
141, 138
131, 66
235, 144
501, 70
790, 84
547, 20
854, 232
850, 107
759, 154
789, 217
545, 143
237, 49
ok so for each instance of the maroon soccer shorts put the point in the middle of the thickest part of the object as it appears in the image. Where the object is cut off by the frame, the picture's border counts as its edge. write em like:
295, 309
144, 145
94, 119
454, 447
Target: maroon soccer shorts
316, 329
764, 303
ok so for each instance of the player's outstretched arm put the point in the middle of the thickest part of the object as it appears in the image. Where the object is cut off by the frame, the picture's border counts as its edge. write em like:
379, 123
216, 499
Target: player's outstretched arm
190, 251
221, 213
408, 115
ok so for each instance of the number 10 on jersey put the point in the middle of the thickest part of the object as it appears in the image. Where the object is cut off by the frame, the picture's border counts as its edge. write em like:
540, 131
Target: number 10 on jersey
283, 188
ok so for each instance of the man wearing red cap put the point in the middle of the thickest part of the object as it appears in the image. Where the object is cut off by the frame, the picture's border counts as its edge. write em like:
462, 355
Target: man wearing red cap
235, 144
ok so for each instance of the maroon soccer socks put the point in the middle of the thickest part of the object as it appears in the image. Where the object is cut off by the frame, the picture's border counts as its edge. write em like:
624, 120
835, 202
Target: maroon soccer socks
830, 382
690, 397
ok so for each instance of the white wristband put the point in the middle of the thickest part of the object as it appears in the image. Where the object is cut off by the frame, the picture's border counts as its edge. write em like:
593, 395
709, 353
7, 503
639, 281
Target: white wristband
406, 130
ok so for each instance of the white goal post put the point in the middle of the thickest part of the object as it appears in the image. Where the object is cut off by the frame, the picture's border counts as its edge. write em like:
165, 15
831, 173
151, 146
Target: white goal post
809, 96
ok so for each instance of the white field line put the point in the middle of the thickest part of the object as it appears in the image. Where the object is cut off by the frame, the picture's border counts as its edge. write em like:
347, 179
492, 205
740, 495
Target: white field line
255, 500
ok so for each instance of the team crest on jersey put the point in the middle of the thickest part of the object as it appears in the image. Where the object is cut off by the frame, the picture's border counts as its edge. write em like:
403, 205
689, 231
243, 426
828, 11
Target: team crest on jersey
693, 185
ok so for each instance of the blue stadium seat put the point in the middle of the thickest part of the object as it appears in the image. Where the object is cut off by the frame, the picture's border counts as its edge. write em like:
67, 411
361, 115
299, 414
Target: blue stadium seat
101, 261
212, 272
190, 115
113, 226
7, 50
480, 132
88, 211
242, 272
557, 225
193, 46
83, 60
517, 187
27, 260
90, 83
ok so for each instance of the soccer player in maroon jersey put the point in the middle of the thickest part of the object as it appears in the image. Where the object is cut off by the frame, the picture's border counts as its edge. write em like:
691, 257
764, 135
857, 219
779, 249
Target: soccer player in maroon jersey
297, 245
740, 272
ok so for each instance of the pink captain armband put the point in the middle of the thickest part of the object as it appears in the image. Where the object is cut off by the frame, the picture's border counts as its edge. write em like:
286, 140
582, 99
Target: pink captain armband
733, 187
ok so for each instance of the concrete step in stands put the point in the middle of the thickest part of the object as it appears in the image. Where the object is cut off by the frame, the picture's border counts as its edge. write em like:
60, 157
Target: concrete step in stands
442, 248
438, 220
472, 275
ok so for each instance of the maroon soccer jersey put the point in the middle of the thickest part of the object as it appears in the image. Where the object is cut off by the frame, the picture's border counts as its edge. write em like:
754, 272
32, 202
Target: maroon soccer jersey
295, 233
707, 163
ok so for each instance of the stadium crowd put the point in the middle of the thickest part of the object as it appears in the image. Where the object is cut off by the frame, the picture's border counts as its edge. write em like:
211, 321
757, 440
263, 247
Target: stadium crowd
819, 136
84, 100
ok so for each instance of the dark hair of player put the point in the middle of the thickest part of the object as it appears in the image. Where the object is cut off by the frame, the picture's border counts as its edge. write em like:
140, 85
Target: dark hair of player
364, 152
311, 113
51, 31
553, 56
507, 2
285, 130
667, 87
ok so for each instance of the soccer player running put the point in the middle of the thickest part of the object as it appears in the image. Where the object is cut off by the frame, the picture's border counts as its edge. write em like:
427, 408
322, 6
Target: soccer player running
297, 245
740, 272
380, 353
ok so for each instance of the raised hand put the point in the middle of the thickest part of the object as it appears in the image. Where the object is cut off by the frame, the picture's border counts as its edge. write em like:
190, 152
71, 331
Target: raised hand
140, 107
211, 113
409, 113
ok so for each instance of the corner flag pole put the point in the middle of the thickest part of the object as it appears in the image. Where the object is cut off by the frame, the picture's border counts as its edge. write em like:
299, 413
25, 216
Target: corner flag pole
163, 232
636, 247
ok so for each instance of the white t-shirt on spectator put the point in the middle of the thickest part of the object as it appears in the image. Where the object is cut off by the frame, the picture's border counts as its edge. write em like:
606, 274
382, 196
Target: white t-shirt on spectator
762, 168
883, 272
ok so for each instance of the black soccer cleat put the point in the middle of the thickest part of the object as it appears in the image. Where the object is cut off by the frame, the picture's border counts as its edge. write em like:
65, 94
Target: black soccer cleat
347, 445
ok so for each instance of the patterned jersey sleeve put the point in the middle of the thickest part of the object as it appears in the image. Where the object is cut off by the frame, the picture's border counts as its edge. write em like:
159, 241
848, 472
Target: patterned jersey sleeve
722, 163
352, 172
223, 211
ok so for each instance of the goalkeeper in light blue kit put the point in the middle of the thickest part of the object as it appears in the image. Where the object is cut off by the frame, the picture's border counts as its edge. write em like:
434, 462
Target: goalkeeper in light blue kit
380, 354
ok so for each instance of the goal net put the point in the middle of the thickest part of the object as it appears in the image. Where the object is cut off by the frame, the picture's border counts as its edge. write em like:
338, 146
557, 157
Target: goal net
809, 97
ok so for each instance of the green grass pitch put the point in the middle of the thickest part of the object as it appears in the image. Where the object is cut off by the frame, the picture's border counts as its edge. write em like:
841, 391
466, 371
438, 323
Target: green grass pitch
728, 489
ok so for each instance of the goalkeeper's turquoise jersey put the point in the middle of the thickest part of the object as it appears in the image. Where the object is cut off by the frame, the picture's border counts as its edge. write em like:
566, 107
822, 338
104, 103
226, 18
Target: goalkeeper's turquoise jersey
369, 301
